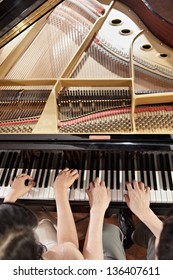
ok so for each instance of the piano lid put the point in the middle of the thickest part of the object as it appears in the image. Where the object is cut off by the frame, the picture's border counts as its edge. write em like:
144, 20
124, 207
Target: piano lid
18, 15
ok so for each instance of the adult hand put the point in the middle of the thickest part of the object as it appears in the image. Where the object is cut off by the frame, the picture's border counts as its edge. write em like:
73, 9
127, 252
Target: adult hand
99, 196
18, 187
65, 179
138, 198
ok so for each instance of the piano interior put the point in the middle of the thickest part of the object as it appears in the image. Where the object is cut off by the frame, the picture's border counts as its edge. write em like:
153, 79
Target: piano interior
86, 67
89, 85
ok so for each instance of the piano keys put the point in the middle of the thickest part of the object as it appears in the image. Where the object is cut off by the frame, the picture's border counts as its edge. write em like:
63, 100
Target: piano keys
154, 168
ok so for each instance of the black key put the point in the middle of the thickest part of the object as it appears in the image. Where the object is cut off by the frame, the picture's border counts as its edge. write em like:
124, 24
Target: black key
8, 159
49, 165
147, 164
18, 164
141, 167
169, 169
162, 168
112, 166
43, 167
83, 164
153, 168
144, 170
11, 166
63, 163
132, 156
106, 168
38, 166
97, 164
91, 166
2, 154
31, 164
117, 160
126, 166
58, 163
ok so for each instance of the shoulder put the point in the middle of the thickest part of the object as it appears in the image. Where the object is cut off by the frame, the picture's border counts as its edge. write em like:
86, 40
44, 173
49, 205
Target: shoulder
64, 251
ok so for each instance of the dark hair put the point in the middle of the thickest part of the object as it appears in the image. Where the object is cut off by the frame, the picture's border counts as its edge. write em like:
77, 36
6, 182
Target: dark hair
17, 238
165, 246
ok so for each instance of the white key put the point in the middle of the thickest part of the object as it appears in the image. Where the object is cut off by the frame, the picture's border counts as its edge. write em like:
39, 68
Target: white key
157, 192
87, 184
2, 191
72, 193
6, 190
162, 191
26, 195
82, 191
50, 184
120, 191
77, 190
169, 193
114, 192
152, 191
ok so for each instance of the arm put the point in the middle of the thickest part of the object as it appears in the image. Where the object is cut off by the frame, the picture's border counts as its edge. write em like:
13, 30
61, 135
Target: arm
66, 229
99, 199
138, 200
18, 188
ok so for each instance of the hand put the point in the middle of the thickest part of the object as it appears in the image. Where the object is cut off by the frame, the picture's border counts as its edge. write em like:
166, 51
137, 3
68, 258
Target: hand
65, 179
18, 187
99, 196
138, 198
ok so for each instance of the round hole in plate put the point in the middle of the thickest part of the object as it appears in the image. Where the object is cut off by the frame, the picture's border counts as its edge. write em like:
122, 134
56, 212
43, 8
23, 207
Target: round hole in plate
125, 31
116, 21
146, 47
163, 55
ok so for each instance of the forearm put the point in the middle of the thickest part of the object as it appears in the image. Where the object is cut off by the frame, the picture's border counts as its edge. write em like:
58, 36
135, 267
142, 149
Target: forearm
66, 228
152, 222
93, 245
11, 197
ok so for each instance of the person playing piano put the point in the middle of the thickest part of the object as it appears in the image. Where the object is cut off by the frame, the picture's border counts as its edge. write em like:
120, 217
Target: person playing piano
18, 223
17, 231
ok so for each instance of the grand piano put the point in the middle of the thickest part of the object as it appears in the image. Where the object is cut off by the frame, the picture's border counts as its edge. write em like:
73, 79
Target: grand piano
89, 85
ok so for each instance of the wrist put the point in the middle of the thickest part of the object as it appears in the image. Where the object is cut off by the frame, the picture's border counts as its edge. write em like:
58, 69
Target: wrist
10, 198
97, 212
145, 214
61, 193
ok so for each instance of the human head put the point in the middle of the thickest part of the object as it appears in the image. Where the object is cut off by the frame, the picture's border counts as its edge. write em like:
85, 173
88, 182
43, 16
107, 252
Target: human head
17, 238
164, 249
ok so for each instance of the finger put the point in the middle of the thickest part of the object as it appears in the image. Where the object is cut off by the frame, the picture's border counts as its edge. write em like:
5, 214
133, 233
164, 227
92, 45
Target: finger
147, 189
21, 175
73, 172
28, 177
102, 184
65, 169
96, 182
129, 186
135, 184
31, 183
76, 176
91, 185
141, 185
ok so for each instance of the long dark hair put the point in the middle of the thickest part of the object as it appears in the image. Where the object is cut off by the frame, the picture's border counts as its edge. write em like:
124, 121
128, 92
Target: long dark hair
165, 247
17, 238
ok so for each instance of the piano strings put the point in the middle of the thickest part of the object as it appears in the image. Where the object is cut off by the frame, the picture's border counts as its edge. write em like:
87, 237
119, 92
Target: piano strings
93, 109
